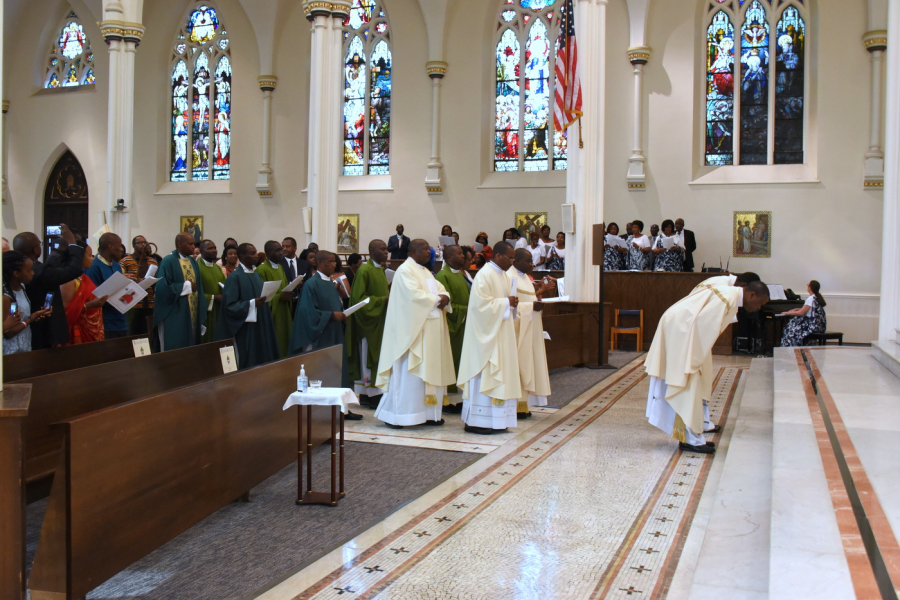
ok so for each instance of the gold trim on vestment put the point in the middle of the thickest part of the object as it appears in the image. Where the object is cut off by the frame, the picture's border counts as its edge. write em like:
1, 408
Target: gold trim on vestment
498, 401
716, 292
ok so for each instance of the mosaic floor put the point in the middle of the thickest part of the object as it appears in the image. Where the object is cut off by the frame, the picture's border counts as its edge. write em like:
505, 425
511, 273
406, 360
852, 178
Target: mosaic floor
588, 501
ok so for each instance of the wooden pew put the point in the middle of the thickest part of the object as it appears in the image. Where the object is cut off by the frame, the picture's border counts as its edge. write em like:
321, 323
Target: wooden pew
14, 400
138, 474
26, 365
70, 393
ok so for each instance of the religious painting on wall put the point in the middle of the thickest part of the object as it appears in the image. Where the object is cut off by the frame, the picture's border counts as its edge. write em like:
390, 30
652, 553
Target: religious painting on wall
194, 226
526, 222
348, 234
752, 234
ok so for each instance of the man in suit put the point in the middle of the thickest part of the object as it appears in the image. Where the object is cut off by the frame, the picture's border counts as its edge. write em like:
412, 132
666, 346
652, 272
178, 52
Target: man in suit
690, 244
62, 266
398, 245
654, 235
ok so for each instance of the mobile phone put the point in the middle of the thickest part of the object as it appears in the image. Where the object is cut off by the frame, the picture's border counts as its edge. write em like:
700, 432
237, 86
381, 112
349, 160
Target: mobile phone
13, 307
54, 230
48, 300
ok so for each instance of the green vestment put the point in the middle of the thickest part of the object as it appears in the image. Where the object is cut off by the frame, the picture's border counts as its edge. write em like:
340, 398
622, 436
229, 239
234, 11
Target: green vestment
368, 322
281, 311
180, 315
314, 323
255, 342
456, 286
211, 277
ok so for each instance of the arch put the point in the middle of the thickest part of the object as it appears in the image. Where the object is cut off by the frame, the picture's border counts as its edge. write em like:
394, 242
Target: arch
70, 59
66, 195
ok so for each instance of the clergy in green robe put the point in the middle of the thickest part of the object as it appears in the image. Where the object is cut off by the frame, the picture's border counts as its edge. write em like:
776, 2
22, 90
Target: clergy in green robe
271, 270
245, 315
211, 276
178, 311
366, 326
454, 281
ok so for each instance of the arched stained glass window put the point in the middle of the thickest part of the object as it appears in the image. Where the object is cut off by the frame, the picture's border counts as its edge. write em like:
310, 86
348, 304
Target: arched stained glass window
200, 88
763, 123
526, 49
70, 62
368, 65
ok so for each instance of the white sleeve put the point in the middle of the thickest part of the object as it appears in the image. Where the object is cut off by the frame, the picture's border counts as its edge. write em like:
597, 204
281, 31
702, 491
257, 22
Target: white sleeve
186, 290
251, 314
506, 314
809, 301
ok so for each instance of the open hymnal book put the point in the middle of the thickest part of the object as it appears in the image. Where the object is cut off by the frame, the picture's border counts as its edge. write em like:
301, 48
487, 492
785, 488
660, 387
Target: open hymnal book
356, 307
446, 240
270, 288
669, 242
776, 292
389, 274
123, 293
614, 240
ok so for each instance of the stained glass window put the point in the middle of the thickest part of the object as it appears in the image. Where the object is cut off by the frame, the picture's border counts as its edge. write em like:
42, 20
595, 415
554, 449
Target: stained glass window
70, 62
740, 127
201, 98
524, 135
368, 65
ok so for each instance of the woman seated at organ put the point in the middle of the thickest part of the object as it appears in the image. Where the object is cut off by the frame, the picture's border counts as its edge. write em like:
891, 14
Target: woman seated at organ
807, 320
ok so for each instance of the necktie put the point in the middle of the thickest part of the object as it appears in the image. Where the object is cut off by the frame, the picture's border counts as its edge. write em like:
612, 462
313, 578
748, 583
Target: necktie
291, 270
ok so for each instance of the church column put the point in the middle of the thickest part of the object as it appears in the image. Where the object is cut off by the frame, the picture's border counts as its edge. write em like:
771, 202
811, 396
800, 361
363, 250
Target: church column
637, 178
122, 38
876, 42
433, 177
889, 317
585, 176
324, 117
7, 197
267, 84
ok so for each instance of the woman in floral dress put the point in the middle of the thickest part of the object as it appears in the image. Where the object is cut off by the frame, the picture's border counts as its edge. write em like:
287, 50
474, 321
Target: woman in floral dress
671, 260
639, 255
613, 256
807, 320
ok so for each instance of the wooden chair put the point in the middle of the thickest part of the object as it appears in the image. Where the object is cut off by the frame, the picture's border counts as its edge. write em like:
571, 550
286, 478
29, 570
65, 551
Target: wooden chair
615, 331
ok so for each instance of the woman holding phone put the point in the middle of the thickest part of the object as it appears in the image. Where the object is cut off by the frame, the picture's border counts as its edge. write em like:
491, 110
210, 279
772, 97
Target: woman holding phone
18, 271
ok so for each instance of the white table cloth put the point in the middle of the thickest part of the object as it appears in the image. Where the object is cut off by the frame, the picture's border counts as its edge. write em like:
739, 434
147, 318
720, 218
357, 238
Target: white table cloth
342, 397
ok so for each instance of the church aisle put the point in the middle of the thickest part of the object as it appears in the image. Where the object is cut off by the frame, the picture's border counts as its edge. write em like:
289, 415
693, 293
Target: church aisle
593, 503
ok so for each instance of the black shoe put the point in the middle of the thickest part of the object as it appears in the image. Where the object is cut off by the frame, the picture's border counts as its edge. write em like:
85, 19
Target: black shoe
352, 416
715, 429
453, 409
523, 415
482, 430
373, 401
711, 444
699, 449
394, 426
434, 423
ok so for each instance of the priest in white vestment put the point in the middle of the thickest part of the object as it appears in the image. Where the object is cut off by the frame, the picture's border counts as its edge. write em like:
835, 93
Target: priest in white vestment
680, 358
489, 366
533, 372
416, 362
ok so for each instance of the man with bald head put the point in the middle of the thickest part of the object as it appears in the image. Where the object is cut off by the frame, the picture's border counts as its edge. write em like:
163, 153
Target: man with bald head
105, 265
178, 311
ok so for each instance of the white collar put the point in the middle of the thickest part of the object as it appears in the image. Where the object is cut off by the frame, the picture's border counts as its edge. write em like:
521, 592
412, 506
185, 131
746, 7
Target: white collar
182, 257
325, 277
274, 266
520, 273
208, 264
496, 266
452, 270
375, 263
246, 270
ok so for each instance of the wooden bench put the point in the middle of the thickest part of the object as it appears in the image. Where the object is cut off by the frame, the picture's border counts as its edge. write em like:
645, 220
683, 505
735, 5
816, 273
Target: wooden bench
14, 400
138, 474
26, 365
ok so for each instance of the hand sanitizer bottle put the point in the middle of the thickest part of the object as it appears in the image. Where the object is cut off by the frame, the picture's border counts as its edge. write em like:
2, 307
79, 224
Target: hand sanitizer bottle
302, 381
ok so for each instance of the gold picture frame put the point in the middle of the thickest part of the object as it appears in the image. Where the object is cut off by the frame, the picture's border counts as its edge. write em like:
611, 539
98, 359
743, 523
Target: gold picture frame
348, 234
193, 225
752, 234
526, 222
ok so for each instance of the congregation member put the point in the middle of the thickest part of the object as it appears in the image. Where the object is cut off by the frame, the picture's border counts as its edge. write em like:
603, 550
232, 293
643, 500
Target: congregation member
446, 231
536, 250
689, 244
638, 248
453, 277
455, 237
627, 231
179, 314
416, 362
556, 254
309, 257
18, 272
469, 254
366, 327
545, 236
613, 256
84, 311
134, 267
487, 251
104, 266
398, 245
654, 236
807, 320
669, 260
282, 315
529, 324
62, 266
212, 278
354, 262
293, 266
228, 243
315, 248
680, 358
489, 369
229, 260
245, 316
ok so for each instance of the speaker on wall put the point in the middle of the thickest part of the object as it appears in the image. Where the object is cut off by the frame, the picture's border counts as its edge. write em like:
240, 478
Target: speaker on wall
306, 213
568, 218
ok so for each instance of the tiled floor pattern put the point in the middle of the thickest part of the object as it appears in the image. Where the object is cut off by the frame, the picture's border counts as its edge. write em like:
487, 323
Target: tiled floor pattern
542, 524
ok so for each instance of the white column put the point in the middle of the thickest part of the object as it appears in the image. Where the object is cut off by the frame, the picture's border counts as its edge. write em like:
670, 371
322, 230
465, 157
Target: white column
267, 84
637, 178
433, 175
585, 177
876, 42
889, 318
7, 196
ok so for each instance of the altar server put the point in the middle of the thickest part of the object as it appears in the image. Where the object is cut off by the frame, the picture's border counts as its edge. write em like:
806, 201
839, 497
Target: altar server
533, 372
177, 310
416, 363
366, 326
680, 358
489, 369
271, 270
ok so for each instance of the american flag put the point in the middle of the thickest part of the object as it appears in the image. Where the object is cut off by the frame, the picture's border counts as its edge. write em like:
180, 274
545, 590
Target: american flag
567, 109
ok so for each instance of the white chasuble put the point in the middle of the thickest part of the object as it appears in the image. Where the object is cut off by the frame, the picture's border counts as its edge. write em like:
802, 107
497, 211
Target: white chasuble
533, 372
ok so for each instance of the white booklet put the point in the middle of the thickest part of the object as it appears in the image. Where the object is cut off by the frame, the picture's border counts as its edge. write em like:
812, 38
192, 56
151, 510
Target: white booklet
270, 288
356, 307
389, 273
141, 347
123, 293
291, 286
151, 271
776, 292
229, 360
477, 247
446, 240
147, 281
669, 242
614, 240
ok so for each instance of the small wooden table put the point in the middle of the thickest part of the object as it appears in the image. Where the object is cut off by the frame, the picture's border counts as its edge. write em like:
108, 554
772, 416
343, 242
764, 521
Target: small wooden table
339, 400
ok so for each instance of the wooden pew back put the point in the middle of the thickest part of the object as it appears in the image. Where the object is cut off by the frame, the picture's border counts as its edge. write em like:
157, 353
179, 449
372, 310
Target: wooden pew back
138, 474
70, 393
26, 365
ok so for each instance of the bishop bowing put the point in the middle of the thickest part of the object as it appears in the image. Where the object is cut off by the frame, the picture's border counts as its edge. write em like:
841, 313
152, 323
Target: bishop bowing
213, 279
535, 376
416, 363
489, 368
177, 311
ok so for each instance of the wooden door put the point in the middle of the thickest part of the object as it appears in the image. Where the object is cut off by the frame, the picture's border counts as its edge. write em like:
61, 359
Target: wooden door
66, 198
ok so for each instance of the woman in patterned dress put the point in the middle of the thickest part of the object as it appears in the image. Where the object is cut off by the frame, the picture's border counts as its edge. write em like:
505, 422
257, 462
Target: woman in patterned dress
639, 255
807, 320
613, 256
556, 254
671, 260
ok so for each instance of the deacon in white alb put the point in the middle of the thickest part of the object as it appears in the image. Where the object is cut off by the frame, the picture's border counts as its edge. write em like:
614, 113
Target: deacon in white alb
416, 362
489, 367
